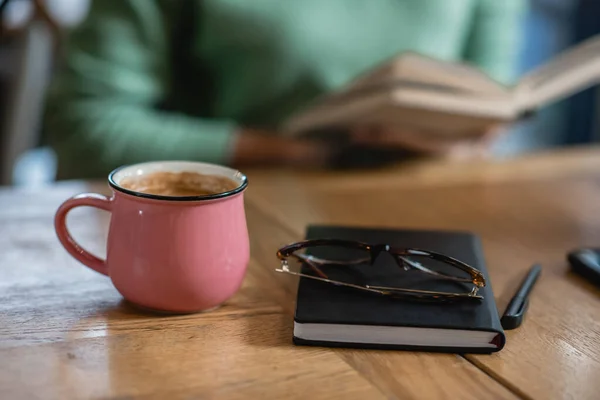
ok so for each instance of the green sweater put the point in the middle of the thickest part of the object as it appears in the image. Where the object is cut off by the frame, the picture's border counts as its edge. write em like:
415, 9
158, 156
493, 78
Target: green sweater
155, 80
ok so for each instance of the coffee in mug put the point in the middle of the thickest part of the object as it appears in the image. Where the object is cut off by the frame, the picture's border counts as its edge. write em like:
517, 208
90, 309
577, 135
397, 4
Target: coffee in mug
184, 183
177, 239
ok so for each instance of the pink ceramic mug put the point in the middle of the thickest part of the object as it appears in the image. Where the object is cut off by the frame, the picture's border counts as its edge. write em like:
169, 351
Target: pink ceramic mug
176, 254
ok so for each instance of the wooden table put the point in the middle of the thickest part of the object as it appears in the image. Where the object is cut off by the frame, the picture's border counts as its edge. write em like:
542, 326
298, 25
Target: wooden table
66, 333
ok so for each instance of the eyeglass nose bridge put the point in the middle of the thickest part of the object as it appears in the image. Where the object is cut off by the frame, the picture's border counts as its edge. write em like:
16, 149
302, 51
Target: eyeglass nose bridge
376, 250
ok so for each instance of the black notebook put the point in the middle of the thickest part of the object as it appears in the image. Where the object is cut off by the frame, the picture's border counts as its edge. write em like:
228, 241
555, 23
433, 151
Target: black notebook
335, 316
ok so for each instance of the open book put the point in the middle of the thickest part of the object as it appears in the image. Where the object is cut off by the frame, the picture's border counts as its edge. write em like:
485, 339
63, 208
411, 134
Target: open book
423, 93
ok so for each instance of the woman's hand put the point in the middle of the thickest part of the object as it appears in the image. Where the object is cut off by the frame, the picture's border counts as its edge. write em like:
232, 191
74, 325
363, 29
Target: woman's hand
259, 148
476, 146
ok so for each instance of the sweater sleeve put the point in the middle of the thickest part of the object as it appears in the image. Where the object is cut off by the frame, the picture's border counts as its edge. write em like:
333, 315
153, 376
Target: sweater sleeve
101, 111
495, 37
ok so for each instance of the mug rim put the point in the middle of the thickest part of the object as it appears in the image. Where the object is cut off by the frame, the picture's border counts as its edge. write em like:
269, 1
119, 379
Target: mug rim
238, 189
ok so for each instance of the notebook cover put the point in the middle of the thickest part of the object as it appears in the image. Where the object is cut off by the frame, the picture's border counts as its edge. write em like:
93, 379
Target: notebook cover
320, 302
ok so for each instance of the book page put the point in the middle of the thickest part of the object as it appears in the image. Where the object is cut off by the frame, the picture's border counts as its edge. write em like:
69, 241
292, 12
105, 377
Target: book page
493, 106
407, 108
573, 70
415, 67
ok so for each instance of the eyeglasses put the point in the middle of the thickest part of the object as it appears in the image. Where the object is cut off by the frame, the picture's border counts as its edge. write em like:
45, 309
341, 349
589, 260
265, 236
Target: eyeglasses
347, 253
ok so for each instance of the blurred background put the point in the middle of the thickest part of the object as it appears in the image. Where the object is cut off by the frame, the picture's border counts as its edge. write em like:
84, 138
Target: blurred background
28, 51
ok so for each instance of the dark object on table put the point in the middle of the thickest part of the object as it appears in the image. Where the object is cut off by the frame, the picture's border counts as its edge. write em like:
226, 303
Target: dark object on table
353, 156
356, 157
586, 263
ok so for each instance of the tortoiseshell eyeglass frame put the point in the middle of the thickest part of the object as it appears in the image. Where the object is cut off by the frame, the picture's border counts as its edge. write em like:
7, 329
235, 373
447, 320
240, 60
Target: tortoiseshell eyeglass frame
374, 250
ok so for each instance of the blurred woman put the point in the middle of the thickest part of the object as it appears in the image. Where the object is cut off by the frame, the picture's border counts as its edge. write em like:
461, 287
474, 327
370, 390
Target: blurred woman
210, 80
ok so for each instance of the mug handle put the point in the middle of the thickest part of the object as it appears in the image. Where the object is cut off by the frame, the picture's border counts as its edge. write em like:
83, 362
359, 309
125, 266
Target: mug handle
60, 225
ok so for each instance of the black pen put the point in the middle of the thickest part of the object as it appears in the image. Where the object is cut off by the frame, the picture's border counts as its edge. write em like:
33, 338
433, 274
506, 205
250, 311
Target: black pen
515, 312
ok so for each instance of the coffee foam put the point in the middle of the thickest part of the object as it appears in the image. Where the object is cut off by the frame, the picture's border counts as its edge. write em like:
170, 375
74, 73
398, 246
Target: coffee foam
179, 184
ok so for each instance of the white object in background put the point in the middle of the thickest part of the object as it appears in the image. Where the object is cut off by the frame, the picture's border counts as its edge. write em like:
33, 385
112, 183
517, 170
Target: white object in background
68, 13
35, 167
17, 14
65, 13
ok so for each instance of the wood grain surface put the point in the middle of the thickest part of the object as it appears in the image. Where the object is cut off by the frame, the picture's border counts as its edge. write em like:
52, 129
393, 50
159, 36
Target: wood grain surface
65, 332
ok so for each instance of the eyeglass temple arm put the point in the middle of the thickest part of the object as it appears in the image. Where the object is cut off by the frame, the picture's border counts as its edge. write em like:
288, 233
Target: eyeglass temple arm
288, 250
476, 275
417, 266
382, 290
321, 261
